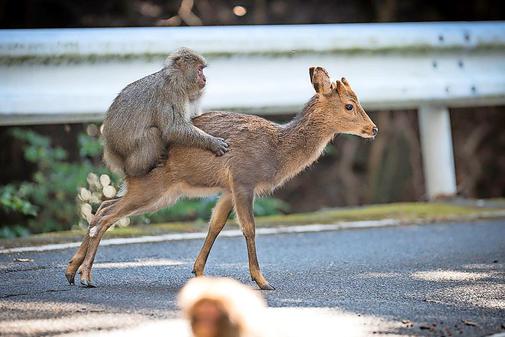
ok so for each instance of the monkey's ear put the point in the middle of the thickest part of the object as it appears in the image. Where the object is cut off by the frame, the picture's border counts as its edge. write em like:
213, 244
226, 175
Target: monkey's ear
178, 61
320, 80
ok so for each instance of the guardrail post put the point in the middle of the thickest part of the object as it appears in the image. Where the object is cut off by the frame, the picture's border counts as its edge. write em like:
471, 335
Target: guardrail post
436, 143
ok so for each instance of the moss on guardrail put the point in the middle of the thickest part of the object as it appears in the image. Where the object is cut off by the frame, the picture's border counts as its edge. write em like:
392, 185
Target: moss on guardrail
74, 58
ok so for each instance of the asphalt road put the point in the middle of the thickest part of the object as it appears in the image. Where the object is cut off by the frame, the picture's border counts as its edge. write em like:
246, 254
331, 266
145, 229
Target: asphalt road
440, 280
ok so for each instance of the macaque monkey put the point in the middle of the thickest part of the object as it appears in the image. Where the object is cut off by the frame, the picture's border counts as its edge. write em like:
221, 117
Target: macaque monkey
155, 111
220, 307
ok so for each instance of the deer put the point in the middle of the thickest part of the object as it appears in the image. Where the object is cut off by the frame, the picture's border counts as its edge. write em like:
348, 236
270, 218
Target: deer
263, 156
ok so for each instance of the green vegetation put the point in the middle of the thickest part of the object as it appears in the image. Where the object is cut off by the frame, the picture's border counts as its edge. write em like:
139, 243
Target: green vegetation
401, 211
47, 202
56, 198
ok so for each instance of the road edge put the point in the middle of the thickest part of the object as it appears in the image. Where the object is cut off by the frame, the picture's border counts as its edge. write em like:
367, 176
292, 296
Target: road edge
311, 228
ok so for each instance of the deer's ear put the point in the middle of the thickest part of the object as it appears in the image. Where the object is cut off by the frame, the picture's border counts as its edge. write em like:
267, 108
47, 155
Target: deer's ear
341, 88
344, 80
311, 73
320, 80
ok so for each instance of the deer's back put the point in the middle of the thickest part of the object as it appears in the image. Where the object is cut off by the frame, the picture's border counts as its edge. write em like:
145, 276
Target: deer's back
252, 157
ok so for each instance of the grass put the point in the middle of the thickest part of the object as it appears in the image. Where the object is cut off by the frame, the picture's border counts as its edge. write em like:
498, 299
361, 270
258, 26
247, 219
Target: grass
401, 211
407, 213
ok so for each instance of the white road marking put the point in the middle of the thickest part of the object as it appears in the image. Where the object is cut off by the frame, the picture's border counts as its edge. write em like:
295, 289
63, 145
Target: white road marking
201, 235
137, 263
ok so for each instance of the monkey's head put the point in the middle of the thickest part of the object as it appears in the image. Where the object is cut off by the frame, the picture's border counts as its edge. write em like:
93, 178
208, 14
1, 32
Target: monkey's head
188, 66
220, 307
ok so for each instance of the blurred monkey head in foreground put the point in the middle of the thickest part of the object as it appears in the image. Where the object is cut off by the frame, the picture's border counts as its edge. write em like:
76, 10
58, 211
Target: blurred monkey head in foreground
220, 307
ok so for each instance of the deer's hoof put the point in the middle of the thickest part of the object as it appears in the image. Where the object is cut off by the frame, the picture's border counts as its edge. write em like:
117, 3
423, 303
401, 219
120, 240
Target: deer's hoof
197, 272
266, 286
70, 278
87, 284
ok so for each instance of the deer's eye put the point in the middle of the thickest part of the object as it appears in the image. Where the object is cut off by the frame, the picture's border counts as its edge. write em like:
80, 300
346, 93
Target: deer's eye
349, 107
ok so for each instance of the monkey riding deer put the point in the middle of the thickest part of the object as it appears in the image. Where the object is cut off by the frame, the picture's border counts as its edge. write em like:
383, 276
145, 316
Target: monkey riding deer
264, 155
155, 111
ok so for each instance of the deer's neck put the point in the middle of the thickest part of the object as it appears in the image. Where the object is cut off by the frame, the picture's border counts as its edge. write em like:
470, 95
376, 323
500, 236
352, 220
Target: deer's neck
303, 140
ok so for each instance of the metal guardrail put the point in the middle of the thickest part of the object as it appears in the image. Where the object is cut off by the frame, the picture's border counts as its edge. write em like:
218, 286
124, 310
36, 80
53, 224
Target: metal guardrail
72, 75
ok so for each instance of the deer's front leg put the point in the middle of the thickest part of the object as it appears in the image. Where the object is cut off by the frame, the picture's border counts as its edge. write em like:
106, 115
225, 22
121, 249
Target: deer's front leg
217, 221
243, 200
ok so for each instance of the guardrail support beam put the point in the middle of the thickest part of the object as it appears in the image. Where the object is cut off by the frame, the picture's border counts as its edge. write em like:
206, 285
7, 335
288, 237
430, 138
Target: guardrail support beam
436, 144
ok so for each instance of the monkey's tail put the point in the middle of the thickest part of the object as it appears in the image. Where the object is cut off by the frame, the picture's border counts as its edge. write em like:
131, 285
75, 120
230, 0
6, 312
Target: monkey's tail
113, 161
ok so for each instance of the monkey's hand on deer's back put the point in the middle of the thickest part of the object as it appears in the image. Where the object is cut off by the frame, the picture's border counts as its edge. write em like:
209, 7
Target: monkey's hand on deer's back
218, 146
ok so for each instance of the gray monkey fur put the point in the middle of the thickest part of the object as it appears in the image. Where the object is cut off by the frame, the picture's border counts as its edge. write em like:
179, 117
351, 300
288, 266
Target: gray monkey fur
153, 112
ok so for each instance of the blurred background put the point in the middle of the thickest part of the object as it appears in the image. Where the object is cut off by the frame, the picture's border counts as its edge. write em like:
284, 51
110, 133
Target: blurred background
123, 13
45, 167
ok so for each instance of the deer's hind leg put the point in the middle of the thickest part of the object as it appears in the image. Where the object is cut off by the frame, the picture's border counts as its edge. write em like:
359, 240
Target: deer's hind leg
139, 199
79, 256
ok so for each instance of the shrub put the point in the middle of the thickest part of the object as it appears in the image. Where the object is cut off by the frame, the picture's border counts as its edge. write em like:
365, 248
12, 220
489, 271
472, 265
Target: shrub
47, 202
64, 194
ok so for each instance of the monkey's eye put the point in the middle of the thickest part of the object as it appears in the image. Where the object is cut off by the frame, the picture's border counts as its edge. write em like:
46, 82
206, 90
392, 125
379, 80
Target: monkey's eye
349, 107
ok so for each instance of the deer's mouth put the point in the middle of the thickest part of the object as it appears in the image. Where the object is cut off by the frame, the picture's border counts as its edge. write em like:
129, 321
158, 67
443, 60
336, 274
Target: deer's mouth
368, 136
369, 133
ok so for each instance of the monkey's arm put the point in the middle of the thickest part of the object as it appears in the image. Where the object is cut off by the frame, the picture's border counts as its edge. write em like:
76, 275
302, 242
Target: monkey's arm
182, 131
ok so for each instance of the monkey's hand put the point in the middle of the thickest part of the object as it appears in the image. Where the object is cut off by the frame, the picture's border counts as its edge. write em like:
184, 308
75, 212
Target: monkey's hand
218, 146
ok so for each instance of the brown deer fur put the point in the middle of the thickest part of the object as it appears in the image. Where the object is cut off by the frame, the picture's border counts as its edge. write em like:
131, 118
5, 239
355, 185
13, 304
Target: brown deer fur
262, 156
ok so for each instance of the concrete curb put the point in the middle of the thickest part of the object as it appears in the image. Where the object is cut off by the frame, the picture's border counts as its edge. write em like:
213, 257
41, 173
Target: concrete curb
201, 235
260, 231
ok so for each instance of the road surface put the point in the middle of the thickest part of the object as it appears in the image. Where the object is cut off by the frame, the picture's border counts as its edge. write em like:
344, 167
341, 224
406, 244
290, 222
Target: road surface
434, 280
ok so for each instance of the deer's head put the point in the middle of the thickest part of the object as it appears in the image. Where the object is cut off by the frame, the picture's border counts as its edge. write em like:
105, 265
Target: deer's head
340, 106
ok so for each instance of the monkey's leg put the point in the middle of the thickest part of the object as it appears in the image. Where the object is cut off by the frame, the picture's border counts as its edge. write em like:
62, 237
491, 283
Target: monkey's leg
113, 160
78, 257
217, 221
146, 154
243, 200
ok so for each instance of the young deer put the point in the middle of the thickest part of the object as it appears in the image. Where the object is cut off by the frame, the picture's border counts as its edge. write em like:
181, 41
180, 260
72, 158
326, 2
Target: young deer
263, 156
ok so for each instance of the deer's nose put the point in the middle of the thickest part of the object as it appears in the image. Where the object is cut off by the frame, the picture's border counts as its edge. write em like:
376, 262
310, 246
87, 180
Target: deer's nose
375, 131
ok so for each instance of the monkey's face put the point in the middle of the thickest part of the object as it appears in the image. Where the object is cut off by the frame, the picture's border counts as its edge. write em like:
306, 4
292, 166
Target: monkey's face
209, 319
201, 79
